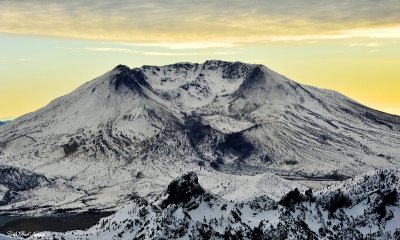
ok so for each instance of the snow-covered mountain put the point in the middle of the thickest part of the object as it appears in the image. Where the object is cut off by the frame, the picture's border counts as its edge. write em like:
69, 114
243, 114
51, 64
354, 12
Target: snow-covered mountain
363, 208
238, 126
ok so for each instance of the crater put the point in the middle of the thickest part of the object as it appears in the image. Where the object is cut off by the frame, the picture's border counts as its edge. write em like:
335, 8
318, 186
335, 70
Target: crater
236, 144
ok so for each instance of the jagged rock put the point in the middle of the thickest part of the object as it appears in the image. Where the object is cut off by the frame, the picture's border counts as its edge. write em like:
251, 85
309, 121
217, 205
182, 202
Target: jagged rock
70, 147
140, 174
292, 198
260, 218
17, 182
19, 179
182, 189
134, 79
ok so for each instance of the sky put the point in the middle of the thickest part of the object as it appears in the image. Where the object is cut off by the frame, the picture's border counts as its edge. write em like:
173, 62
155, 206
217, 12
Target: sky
49, 48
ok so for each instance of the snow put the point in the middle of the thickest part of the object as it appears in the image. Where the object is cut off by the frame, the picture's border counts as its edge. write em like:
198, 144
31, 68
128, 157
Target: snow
242, 187
227, 124
287, 129
4, 237
146, 220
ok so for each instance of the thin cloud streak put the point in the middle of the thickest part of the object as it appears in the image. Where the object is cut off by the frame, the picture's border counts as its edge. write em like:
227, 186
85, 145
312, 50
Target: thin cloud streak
369, 45
155, 53
384, 33
188, 53
124, 50
183, 45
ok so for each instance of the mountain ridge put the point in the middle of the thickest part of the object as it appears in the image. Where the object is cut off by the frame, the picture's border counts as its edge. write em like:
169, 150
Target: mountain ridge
366, 207
133, 130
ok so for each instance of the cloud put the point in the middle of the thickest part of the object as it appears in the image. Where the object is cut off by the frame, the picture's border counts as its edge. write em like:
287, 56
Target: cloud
124, 50
386, 32
155, 53
201, 23
369, 45
183, 45
189, 53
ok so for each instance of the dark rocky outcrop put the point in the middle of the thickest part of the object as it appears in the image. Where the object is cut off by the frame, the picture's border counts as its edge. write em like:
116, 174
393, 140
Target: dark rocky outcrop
19, 179
197, 131
236, 144
70, 147
183, 189
337, 201
133, 79
386, 199
292, 198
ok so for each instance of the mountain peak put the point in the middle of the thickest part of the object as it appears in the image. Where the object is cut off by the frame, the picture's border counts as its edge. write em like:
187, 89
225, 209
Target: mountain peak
216, 117
121, 67
183, 189
214, 64
134, 79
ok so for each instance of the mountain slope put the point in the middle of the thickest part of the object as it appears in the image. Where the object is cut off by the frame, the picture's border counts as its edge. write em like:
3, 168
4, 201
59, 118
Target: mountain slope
364, 208
133, 130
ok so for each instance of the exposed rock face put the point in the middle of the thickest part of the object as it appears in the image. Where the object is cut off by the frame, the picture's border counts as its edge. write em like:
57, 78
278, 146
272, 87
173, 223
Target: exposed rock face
134, 79
20, 180
15, 183
70, 147
182, 189
371, 211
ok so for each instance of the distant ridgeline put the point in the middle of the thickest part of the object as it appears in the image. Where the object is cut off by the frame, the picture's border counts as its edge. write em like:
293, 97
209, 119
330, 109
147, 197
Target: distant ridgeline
363, 208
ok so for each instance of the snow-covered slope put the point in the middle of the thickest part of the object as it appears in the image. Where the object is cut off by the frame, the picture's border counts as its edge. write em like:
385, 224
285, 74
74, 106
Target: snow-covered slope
133, 130
363, 208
